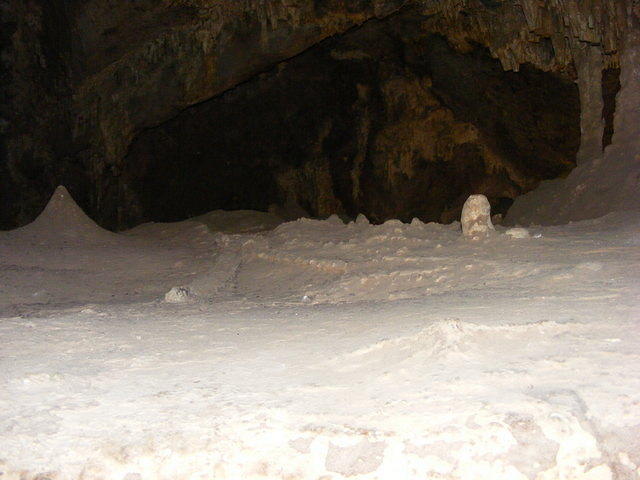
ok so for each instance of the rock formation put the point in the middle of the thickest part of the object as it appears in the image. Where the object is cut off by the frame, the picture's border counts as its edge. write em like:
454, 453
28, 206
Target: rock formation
606, 180
88, 85
476, 217
354, 126
62, 221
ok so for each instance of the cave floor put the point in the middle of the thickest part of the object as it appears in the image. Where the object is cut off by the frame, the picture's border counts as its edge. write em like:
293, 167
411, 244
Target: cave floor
319, 350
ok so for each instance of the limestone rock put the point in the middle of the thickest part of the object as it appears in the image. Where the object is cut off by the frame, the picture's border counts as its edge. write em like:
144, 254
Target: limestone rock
476, 216
179, 295
518, 232
361, 219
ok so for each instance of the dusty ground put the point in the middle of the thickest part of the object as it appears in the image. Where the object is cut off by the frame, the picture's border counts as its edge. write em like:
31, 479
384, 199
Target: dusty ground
319, 350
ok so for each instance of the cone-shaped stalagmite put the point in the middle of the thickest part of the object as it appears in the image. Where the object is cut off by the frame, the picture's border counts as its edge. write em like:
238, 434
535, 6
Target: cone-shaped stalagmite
62, 220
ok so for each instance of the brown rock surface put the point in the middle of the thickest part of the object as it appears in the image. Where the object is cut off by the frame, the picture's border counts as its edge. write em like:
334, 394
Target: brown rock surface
82, 79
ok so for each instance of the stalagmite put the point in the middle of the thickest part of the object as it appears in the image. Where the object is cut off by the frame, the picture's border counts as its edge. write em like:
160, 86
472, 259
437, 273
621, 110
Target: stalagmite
476, 216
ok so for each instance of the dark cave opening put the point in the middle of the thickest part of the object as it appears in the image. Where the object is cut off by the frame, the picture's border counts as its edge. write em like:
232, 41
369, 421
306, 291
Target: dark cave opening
610, 89
372, 122
387, 120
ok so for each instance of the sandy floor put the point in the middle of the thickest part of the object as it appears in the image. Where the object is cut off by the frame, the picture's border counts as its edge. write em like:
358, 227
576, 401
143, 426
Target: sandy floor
318, 350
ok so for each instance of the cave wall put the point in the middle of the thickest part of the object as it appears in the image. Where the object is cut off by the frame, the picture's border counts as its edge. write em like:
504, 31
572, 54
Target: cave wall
121, 67
85, 77
190, 52
609, 180
367, 122
34, 104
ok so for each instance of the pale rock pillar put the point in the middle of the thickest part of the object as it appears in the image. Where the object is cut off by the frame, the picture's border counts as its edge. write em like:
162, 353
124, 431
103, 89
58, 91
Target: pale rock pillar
476, 217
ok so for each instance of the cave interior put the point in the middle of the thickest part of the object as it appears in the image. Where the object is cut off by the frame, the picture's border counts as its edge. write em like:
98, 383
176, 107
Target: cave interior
253, 239
374, 122
395, 117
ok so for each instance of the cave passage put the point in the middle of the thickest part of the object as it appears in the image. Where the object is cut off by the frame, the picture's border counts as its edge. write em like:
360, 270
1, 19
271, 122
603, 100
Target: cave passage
375, 121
